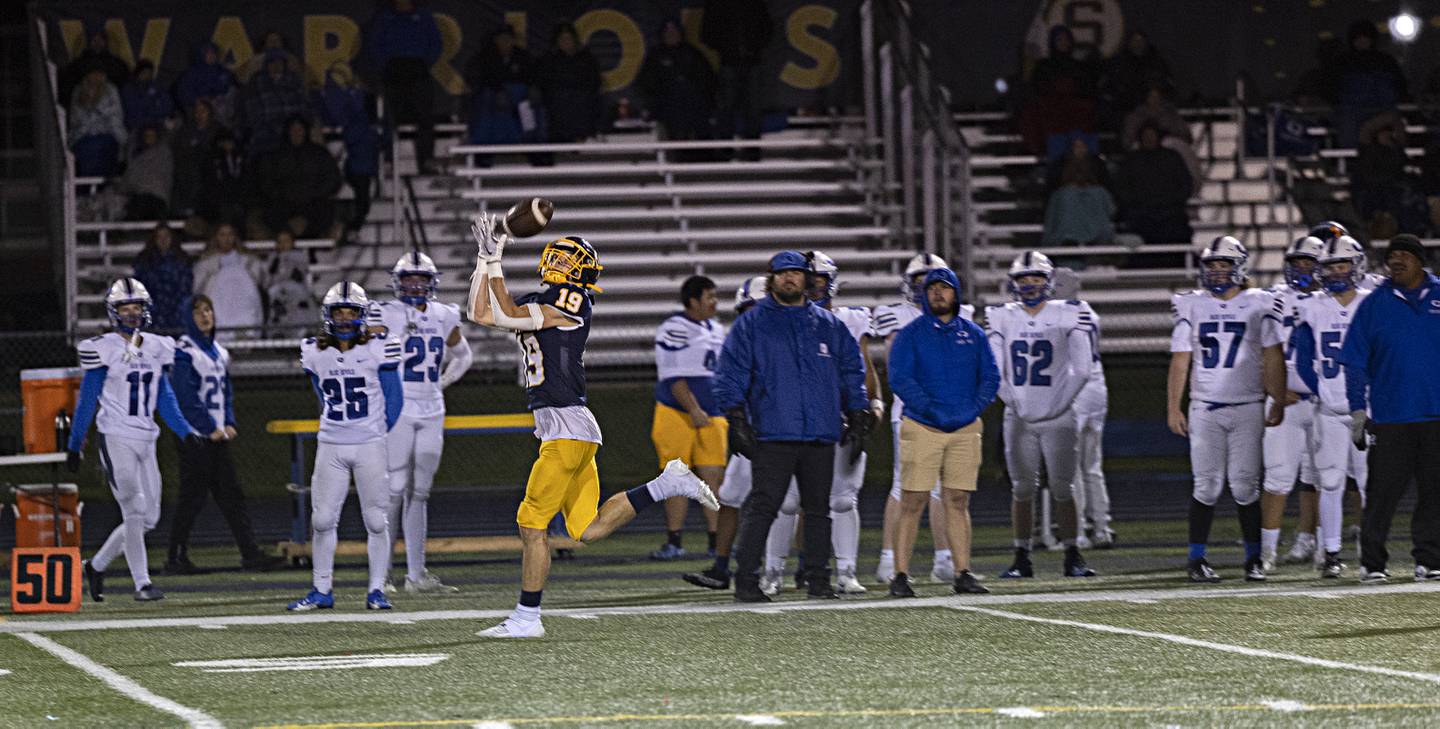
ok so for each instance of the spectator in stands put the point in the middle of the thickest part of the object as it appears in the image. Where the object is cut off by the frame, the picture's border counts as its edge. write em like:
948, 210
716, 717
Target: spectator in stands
403, 42
144, 101
285, 276
190, 145
95, 57
165, 269
97, 126
1175, 132
1385, 194
1132, 73
209, 80
1080, 210
1367, 82
229, 276
679, 84
569, 78
1082, 152
343, 104
1062, 99
1317, 84
296, 184
148, 176
271, 99
739, 31
1154, 185
225, 189
273, 42
504, 103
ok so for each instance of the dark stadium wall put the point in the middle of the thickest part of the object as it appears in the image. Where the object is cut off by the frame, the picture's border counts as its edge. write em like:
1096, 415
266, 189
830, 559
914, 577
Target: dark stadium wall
811, 60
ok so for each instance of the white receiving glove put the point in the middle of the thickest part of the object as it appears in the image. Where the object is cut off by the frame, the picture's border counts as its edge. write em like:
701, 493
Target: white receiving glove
1357, 428
489, 238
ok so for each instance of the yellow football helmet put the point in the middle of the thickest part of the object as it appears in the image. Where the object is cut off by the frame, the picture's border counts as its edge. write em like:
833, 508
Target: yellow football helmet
570, 260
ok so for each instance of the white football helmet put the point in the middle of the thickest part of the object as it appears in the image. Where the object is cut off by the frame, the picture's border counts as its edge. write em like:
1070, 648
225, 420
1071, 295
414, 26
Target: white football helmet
344, 295
412, 264
1224, 248
128, 291
920, 265
822, 266
1032, 263
1342, 249
1304, 248
750, 292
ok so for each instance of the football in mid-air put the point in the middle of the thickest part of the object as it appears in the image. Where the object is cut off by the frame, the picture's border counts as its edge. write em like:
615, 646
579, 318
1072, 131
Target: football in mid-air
528, 217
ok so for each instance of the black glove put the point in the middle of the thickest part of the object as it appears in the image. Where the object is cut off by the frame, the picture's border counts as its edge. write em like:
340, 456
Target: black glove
857, 425
742, 434
194, 438
72, 461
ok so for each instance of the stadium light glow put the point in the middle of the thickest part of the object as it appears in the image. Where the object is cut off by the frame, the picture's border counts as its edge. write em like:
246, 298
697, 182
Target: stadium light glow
1404, 27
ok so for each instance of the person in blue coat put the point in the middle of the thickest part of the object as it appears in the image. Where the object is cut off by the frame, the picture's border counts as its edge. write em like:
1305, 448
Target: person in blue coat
792, 383
942, 368
402, 43
1389, 357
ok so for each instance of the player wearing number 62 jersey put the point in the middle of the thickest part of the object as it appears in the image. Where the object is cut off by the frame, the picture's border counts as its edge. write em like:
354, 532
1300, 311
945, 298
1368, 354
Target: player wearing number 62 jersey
355, 376
434, 356
552, 327
1226, 344
1045, 351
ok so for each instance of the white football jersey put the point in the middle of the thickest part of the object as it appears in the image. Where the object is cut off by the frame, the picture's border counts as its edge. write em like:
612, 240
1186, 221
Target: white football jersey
1094, 397
1037, 355
132, 381
1370, 282
687, 348
352, 408
891, 318
1227, 338
1328, 320
1287, 296
421, 336
214, 374
856, 319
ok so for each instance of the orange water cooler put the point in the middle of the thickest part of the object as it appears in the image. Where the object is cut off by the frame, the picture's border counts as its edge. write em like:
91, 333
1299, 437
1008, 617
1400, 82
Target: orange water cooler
45, 394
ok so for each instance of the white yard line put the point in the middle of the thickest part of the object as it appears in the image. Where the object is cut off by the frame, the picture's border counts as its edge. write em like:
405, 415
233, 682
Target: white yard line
279, 617
194, 717
1210, 645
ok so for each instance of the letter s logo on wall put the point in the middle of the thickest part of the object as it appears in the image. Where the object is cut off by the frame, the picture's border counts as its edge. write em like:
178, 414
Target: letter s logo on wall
1098, 25
824, 58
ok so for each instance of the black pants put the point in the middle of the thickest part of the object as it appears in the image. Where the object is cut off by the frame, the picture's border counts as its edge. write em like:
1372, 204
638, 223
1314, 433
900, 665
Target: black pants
738, 107
362, 185
207, 468
813, 467
410, 95
1400, 453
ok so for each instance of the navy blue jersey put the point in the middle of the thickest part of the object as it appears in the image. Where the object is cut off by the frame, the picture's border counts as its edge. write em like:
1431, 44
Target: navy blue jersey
554, 358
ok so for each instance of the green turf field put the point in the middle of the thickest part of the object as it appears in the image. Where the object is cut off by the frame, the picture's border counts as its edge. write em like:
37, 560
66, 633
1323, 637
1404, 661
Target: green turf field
629, 644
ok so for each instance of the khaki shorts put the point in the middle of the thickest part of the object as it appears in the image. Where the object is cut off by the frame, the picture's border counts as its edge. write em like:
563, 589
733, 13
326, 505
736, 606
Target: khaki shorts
927, 454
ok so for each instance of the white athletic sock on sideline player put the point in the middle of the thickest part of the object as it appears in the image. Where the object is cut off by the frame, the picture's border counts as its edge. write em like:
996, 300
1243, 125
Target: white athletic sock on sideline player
845, 539
777, 544
1332, 518
1269, 542
377, 548
417, 522
129, 538
322, 559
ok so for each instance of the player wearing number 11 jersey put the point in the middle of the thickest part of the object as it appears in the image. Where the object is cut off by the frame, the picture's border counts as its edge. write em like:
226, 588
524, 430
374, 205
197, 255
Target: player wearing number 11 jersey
1226, 343
552, 327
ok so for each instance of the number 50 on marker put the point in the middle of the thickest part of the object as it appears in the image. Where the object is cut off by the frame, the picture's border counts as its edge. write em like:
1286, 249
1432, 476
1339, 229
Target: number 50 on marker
45, 580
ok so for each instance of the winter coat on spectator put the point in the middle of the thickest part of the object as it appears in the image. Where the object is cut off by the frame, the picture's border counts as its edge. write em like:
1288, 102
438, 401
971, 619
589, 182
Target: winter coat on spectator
1129, 74
571, 90
680, 86
151, 170
487, 69
1079, 215
1154, 186
269, 101
190, 145
392, 34
145, 103
210, 81
286, 278
116, 71
294, 175
1368, 78
225, 190
97, 129
344, 105
169, 278
231, 281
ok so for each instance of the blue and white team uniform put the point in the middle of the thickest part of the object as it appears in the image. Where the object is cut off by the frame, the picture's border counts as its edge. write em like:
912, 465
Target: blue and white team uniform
1092, 405
1289, 448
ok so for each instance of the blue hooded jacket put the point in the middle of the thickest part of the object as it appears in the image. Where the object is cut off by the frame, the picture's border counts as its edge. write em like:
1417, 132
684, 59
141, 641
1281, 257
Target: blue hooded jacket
794, 369
944, 372
1390, 353
188, 383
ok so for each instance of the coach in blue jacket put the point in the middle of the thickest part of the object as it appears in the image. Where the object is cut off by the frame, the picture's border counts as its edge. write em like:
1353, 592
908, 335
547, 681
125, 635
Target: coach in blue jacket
942, 368
1390, 353
792, 383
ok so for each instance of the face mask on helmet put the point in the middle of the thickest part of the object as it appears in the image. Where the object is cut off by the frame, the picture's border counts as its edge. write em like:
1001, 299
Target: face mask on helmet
572, 261
1220, 279
343, 330
819, 288
414, 287
1300, 272
128, 316
1029, 291
1339, 281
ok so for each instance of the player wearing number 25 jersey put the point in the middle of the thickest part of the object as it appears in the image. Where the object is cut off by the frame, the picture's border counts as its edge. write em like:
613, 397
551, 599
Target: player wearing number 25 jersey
355, 376
1226, 342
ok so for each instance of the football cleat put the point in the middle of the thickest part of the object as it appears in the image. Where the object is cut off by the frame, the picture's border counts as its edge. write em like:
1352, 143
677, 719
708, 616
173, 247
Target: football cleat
149, 593
676, 472
943, 571
389, 587
967, 584
376, 600
820, 589
885, 571
180, 564
427, 583
96, 580
513, 628
749, 592
1254, 570
313, 600
1103, 539
1267, 562
1021, 567
802, 580
1199, 571
1302, 551
846, 584
900, 586
668, 552
710, 579
770, 583
1374, 577
1075, 564
1331, 568
1426, 574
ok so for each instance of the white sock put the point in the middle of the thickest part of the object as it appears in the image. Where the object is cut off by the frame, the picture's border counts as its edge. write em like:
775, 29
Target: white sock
944, 555
1024, 543
377, 548
887, 556
525, 614
135, 556
322, 559
1332, 517
394, 513
417, 526
777, 544
1269, 540
845, 539
114, 544
1308, 538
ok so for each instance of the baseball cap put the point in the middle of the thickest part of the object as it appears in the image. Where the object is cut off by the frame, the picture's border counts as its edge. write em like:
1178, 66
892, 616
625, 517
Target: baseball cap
789, 261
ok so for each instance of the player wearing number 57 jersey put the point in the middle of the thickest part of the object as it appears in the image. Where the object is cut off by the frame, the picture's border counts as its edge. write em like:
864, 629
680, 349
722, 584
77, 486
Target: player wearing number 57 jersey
433, 356
552, 327
1226, 344
127, 377
355, 376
